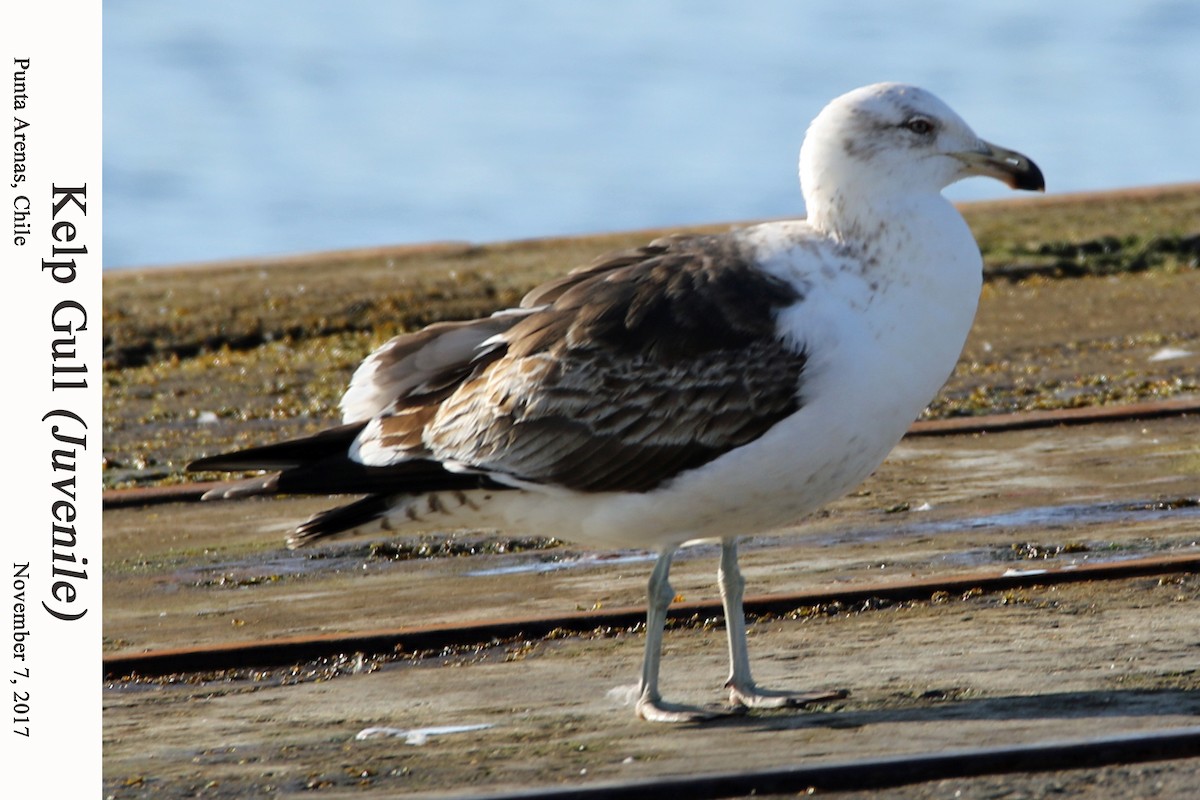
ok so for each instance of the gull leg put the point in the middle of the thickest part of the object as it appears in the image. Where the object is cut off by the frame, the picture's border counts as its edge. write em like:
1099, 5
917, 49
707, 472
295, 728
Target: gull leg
650, 705
741, 686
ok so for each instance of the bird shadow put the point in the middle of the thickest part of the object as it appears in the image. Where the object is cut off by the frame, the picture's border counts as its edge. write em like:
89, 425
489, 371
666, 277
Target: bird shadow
936, 706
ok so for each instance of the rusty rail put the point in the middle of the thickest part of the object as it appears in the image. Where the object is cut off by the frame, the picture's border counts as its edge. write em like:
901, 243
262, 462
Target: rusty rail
987, 423
292, 650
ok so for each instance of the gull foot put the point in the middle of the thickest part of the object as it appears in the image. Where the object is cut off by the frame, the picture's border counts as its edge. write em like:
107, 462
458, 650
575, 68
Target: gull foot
754, 697
656, 710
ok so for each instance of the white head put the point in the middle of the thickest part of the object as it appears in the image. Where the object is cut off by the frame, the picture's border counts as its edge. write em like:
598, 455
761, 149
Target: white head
890, 140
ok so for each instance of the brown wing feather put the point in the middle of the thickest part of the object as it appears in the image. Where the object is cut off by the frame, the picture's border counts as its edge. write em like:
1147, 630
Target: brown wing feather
677, 297
641, 366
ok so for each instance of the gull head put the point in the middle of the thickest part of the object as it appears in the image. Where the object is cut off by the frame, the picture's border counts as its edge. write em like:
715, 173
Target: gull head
891, 140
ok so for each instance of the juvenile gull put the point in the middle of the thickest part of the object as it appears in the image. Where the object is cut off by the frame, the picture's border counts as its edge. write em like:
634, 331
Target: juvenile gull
700, 387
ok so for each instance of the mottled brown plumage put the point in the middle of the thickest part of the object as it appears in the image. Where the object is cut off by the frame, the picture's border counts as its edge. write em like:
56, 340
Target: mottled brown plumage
616, 377
623, 374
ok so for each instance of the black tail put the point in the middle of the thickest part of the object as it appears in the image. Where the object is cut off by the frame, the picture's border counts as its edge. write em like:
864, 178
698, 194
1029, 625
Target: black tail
283, 455
320, 464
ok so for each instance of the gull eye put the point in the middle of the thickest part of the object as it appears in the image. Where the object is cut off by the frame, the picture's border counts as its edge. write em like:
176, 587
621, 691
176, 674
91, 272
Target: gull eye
919, 125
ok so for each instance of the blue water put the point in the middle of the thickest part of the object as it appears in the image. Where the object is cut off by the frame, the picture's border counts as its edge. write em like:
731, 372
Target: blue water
278, 126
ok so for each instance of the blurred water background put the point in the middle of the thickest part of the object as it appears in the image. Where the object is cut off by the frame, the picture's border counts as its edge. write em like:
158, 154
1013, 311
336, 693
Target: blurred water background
280, 126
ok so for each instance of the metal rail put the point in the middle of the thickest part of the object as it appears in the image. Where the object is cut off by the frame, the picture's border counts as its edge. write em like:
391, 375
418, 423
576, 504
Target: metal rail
987, 423
1026, 420
281, 652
